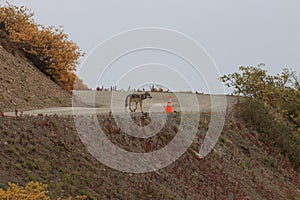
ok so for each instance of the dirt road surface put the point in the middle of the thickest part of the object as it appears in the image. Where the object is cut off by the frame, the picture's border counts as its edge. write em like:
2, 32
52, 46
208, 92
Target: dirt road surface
92, 102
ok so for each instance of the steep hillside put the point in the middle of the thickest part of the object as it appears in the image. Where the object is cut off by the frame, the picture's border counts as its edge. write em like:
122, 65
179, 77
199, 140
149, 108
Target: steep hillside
47, 149
23, 86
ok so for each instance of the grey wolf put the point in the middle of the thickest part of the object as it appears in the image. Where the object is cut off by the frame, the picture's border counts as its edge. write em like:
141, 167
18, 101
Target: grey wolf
137, 98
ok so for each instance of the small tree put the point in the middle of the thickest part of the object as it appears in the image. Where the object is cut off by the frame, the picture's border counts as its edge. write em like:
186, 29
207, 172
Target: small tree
47, 47
282, 91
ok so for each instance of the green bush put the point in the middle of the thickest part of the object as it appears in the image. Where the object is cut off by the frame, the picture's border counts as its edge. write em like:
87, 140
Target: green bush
271, 131
281, 91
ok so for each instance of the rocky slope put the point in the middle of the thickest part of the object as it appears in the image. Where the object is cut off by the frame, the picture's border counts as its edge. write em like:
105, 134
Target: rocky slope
24, 87
47, 149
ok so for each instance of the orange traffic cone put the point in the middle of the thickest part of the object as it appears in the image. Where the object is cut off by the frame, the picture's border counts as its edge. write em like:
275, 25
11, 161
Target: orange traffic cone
169, 108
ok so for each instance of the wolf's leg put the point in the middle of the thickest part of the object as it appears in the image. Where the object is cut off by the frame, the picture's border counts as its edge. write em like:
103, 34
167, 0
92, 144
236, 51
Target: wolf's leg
131, 109
130, 105
135, 106
141, 105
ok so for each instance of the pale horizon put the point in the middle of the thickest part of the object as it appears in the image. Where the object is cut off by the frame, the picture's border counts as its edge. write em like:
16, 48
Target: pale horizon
233, 33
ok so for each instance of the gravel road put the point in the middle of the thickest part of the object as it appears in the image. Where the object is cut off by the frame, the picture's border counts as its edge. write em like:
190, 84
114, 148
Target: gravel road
92, 102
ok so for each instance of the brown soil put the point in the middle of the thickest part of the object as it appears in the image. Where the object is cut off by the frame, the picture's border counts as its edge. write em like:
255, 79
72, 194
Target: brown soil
23, 86
48, 149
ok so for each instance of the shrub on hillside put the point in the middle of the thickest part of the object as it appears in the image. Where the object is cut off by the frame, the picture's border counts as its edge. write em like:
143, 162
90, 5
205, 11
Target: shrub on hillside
271, 130
32, 191
47, 47
281, 91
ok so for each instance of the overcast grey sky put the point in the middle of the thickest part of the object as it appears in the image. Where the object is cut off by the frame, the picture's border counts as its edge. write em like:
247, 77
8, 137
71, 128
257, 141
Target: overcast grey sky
234, 32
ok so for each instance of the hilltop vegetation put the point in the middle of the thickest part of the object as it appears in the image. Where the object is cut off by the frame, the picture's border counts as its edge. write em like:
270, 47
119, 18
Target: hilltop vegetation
273, 107
281, 91
48, 48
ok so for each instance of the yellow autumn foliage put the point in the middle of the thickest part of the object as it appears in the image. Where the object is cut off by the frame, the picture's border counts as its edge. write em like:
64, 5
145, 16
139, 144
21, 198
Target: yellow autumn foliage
32, 191
47, 47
